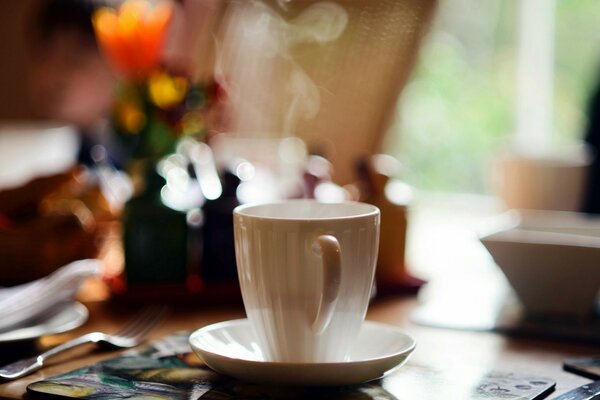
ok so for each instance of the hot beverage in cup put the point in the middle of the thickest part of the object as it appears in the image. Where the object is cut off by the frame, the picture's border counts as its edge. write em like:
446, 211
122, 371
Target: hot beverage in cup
306, 271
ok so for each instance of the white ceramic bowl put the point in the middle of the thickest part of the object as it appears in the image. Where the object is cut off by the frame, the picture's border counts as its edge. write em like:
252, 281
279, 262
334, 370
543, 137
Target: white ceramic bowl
551, 259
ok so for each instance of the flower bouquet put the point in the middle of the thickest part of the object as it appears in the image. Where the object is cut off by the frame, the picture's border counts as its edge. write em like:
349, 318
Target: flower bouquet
155, 104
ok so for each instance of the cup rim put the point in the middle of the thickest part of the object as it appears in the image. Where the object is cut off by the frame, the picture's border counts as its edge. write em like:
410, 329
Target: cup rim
369, 210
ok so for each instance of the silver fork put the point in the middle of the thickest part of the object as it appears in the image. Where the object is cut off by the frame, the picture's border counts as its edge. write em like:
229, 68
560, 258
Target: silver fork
130, 335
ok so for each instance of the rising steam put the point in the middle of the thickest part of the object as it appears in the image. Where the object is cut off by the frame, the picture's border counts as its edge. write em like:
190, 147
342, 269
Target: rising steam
269, 91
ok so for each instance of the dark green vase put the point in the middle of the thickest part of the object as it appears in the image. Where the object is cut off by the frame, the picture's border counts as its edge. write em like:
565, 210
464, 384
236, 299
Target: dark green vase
154, 235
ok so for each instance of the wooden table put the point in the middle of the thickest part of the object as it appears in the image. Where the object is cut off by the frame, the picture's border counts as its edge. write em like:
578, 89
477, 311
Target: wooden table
443, 364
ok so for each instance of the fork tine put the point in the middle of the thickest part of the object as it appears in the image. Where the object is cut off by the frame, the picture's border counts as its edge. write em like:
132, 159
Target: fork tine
133, 322
150, 324
143, 322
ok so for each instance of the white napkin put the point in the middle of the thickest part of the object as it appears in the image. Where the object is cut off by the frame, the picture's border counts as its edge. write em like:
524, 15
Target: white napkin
22, 303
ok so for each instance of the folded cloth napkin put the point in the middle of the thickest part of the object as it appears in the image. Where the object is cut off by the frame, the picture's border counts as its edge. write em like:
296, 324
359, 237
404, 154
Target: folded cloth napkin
23, 303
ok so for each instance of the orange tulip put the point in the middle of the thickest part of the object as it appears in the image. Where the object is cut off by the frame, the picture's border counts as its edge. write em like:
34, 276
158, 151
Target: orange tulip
133, 36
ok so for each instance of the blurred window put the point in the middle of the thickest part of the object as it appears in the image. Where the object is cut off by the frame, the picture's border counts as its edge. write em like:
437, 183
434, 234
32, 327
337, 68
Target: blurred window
460, 108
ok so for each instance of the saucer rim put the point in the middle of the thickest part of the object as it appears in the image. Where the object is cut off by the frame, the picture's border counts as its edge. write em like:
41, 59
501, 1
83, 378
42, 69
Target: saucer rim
218, 325
79, 315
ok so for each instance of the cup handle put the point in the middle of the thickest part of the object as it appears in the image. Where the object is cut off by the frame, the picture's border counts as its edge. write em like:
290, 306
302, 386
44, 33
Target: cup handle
328, 248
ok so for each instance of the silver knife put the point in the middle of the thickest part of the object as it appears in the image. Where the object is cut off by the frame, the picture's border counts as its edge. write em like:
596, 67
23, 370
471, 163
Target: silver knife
589, 391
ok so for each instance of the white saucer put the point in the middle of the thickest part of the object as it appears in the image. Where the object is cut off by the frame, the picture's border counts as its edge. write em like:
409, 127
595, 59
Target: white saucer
67, 317
229, 348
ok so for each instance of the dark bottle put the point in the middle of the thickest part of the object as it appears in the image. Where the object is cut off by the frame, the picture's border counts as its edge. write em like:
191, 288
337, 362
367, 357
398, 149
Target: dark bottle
154, 235
218, 255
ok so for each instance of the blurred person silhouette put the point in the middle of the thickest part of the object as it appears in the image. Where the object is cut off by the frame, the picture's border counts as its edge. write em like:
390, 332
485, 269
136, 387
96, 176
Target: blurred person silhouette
591, 201
70, 79
50, 221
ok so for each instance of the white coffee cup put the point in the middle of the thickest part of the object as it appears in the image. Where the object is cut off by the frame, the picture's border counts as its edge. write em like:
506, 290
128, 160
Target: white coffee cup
306, 271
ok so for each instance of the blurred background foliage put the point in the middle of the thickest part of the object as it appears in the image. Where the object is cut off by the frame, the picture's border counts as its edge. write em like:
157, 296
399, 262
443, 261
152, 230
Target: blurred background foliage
458, 111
